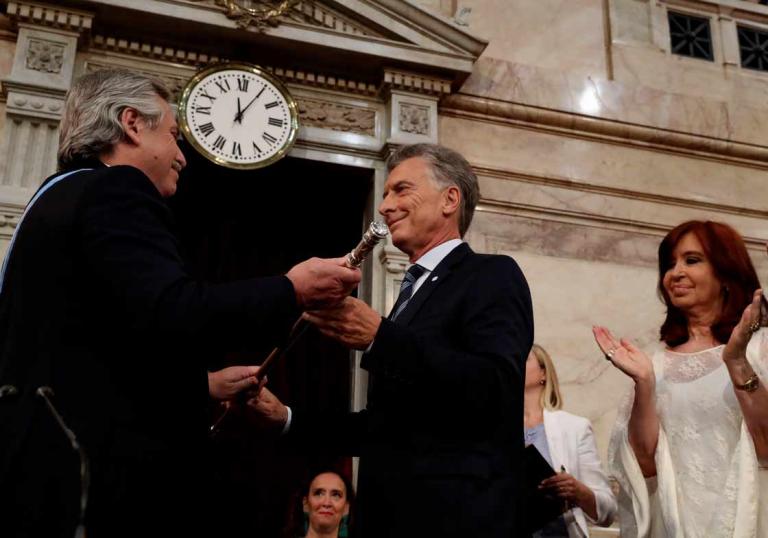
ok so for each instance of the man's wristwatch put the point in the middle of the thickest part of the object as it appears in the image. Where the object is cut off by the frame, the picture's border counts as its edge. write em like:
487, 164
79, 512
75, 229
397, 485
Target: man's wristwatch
750, 385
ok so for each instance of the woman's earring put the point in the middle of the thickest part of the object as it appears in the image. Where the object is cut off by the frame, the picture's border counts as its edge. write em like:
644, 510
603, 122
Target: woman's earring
543, 382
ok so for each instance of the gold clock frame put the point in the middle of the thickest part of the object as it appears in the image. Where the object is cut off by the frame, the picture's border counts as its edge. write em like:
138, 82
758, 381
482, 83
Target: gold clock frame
293, 110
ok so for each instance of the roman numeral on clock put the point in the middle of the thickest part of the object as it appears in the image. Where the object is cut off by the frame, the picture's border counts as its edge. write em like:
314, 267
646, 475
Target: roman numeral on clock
269, 138
256, 148
273, 104
220, 141
242, 84
211, 98
223, 86
277, 122
203, 110
236, 150
206, 128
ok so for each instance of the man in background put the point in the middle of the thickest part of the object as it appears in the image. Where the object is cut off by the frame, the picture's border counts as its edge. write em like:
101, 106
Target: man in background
98, 312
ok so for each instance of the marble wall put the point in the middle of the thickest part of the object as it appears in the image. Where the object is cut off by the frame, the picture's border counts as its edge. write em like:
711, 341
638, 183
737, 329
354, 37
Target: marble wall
590, 141
545, 33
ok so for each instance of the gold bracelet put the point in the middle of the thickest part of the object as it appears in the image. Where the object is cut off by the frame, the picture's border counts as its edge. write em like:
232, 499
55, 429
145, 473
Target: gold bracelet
750, 385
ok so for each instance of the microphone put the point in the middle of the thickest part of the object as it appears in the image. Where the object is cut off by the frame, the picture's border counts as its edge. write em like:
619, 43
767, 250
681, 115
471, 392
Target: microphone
46, 393
8, 391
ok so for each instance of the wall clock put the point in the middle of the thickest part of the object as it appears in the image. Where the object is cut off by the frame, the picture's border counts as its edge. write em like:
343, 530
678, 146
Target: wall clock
238, 115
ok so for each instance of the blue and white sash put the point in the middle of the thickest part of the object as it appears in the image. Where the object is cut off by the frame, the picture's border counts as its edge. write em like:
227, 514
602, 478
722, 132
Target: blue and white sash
37, 195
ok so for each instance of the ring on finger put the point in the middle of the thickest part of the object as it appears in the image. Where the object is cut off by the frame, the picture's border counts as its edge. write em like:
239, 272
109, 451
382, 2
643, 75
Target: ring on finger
754, 326
610, 353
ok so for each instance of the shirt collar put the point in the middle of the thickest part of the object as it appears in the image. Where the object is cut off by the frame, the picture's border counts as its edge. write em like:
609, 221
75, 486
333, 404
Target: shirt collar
433, 257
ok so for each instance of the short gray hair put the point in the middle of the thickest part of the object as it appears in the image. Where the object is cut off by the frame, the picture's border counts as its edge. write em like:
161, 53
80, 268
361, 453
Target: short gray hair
448, 168
91, 119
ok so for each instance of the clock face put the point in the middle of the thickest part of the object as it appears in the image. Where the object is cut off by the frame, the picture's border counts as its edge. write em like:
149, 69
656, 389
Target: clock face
238, 115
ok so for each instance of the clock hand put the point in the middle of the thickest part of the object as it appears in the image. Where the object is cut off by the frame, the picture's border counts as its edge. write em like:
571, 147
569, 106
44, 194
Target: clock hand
247, 107
239, 115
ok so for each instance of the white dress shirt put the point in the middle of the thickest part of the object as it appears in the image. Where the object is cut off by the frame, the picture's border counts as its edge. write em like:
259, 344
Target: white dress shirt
432, 259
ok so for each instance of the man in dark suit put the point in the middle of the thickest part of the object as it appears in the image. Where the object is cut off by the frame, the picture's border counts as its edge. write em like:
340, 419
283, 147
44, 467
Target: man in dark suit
440, 441
96, 304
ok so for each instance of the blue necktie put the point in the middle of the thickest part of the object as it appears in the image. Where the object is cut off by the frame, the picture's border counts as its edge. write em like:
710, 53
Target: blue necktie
406, 289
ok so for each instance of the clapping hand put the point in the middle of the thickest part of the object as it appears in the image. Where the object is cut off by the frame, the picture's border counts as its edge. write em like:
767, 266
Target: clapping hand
750, 322
624, 355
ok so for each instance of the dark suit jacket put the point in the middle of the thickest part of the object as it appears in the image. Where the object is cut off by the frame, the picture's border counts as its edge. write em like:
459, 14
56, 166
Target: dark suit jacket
97, 305
441, 438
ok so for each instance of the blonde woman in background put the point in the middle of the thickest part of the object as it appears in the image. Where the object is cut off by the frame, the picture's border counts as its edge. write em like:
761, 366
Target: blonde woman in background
566, 441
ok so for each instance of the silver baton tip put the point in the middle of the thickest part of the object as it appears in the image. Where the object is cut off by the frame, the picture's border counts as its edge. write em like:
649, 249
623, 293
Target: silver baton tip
379, 229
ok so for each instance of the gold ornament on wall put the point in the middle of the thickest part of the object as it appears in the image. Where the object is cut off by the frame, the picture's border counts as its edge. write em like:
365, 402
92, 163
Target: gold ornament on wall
258, 13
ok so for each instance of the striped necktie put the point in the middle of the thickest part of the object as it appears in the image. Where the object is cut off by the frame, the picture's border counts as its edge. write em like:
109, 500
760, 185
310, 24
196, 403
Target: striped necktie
406, 289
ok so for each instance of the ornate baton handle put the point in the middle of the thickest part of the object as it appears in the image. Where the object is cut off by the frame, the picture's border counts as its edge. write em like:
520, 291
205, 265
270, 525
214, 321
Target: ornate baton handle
375, 233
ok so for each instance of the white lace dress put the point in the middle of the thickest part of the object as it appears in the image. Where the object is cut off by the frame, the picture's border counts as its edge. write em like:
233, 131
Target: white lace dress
708, 483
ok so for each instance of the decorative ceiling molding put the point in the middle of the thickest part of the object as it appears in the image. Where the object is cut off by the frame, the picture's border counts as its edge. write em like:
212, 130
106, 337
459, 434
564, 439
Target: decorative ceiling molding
168, 54
368, 33
316, 14
271, 13
268, 13
199, 59
50, 16
413, 82
320, 80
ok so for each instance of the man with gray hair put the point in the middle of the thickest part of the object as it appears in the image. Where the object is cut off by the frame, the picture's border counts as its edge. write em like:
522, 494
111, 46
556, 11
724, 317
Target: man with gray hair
99, 316
440, 442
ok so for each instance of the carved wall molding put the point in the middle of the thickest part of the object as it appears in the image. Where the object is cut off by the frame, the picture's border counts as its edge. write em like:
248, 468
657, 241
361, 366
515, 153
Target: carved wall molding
147, 50
413, 82
9, 219
46, 56
414, 119
263, 14
615, 192
602, 222
395, 263
29, 101
200, 59
484, 109
316, 14
320, 80
394, 260
336, 117
50, 16
259, 14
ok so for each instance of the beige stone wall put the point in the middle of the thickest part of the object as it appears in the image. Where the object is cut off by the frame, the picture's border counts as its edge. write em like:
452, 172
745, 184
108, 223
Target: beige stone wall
545, 33
591, 141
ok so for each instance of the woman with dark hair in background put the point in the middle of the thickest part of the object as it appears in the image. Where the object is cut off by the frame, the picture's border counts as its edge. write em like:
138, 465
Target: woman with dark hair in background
566, 441
321, 509
691, 445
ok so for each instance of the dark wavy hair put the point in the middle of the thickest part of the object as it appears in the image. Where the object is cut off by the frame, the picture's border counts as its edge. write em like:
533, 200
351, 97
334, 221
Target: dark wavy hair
294, 526
726, 251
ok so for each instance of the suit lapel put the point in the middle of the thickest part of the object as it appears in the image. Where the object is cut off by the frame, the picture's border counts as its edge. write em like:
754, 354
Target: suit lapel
435, 278
553, 433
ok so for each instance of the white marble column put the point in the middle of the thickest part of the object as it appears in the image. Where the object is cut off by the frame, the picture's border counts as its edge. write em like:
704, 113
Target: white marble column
41, 75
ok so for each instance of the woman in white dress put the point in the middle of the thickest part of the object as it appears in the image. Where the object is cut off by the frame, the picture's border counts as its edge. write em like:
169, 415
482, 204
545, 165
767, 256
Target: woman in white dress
566, 441
690, 447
